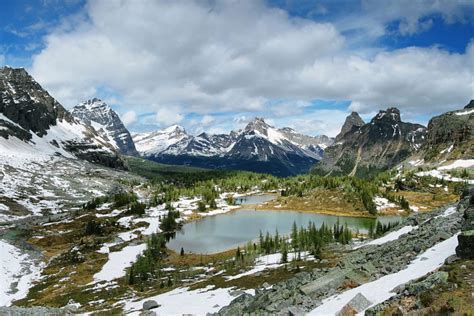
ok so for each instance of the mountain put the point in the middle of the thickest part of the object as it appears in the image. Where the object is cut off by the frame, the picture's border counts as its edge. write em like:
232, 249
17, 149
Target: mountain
32, 123
353, 121
450, 136
258, 147
98, 114
378, 145
154, 143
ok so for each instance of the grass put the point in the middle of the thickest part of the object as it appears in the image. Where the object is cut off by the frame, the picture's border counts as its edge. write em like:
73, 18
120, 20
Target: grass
427, 201
321, 201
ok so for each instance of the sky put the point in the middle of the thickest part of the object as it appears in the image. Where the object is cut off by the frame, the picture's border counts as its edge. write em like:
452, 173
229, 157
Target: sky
214, 65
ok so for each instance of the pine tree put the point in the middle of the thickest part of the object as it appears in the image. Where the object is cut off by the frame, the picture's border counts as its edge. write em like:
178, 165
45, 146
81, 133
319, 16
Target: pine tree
284, 253
294, 236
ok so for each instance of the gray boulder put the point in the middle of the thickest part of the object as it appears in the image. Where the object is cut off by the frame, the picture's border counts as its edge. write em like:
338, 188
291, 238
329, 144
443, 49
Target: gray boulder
150, 304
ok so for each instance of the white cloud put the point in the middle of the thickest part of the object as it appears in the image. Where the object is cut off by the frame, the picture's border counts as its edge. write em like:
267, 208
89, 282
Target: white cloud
168, 116
239, 56
129, 118
207, 119
327, 122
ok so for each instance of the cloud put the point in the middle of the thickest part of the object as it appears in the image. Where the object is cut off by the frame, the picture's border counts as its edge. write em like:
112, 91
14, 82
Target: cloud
226, 56
129, 118
207, 119
166, 117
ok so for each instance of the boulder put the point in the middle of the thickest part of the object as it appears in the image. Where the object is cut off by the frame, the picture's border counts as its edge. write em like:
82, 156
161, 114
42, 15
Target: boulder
465, 249
150, 304
357, 304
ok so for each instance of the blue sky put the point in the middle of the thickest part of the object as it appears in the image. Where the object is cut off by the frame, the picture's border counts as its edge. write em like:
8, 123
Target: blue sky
214, 65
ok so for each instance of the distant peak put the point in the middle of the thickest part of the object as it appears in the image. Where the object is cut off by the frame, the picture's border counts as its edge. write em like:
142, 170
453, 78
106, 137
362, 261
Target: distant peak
258, 123
390, 114
288, 130
352, 121
175, 128
10, 72
470, 105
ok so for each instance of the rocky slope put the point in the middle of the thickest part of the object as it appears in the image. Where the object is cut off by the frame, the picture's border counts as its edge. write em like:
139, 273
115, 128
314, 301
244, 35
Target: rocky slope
258, 147
450, 136
34, 123
378, 145
99, 115
306, 291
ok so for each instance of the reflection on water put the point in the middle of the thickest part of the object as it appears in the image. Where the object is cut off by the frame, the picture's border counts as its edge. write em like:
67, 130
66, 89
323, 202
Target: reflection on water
222, 232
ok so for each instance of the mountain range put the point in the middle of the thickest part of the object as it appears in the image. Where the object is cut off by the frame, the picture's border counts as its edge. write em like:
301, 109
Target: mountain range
33, 122
258, 147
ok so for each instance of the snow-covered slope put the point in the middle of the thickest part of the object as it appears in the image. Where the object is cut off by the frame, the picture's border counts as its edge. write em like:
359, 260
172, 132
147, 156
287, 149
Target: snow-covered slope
33, 124
156, 142
99, 115
258, 147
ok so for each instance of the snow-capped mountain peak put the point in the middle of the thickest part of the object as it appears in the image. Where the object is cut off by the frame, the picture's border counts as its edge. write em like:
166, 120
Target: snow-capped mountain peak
34, 124
257, 144
103, 118
154, 143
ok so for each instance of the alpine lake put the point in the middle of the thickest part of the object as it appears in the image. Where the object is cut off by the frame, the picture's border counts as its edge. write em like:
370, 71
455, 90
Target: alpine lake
213, 234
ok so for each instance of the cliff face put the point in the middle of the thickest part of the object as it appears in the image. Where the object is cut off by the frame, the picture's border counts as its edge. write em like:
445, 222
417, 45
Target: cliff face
378, 145
451, 135
98, 114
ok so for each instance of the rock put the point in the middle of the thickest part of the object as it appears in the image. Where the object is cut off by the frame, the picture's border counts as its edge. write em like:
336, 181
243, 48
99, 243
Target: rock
357, 304
465, 249
451, 259
150, 304
148, 313
347, 311
236, 293
433, 280
442, 236
34, 311
294, 311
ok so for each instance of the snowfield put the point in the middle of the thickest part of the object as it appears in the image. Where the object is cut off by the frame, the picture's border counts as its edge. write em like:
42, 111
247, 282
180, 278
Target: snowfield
181, 301
380, 290
462, 163
118, 262
388, 237
17, 272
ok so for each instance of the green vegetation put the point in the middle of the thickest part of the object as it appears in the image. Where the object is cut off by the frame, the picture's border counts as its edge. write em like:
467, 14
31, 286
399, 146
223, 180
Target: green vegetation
379, 229
147, 266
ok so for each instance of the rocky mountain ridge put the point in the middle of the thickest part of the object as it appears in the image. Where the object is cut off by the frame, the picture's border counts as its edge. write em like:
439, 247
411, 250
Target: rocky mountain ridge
380, 144
33, 122
258, 147
98, 114
450, 136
